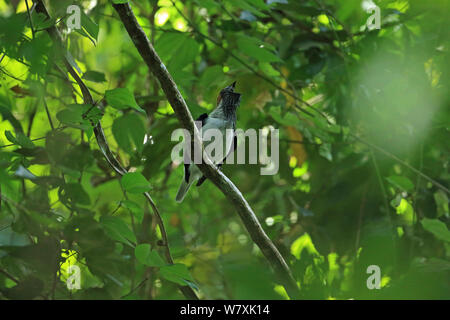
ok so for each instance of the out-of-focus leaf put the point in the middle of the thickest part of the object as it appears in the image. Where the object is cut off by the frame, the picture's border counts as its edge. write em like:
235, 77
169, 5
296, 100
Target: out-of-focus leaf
288, 119
20, 139
134, 182
441, 200
256, 49
122, 98
94, 76
148, 257
118, 230
177, 273
302, 243
27, 289
436, 227
76, 194
129, 132
401, 182
90, 26
135, 209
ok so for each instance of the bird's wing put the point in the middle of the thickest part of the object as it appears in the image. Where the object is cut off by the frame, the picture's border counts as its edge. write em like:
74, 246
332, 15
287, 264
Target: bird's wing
202, 118
187, 172
232, 149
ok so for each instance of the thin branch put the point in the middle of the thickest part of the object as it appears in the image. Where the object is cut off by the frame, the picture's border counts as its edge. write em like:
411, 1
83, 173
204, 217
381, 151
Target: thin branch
232, 193
103, 144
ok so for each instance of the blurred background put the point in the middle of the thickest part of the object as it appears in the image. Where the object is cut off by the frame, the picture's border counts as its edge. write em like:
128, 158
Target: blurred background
363, 114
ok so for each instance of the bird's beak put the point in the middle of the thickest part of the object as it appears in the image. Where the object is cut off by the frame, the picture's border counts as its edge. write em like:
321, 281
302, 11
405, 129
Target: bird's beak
233, 84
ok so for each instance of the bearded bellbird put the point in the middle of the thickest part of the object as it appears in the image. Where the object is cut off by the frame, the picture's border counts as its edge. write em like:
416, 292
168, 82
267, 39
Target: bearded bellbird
223, 117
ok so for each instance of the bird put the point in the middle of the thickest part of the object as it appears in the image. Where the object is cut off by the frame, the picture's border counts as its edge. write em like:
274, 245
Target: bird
223, 118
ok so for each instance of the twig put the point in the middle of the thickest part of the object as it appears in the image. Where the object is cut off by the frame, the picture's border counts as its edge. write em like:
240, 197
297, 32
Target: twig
9, 276
183, 114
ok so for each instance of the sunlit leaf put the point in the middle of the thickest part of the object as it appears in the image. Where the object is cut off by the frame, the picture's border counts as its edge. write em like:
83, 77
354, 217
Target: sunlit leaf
122, 98
135, 182
148, 257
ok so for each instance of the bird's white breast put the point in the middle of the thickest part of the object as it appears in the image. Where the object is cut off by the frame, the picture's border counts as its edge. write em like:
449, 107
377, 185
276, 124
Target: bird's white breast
226, 129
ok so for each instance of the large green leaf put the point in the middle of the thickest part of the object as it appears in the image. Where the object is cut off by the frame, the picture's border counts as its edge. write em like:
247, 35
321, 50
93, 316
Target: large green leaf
122, 98
177, 273
134, 208
76, 194
118, 230
94, 76
135, 182
20, 139
436, 227
257, 49
129, 132
401, 182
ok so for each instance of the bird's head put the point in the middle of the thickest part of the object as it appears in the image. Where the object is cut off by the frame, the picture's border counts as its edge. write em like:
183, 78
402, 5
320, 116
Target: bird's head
229, 100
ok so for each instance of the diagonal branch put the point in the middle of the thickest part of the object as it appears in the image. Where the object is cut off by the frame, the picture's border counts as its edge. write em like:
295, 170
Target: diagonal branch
104, 147
231, 192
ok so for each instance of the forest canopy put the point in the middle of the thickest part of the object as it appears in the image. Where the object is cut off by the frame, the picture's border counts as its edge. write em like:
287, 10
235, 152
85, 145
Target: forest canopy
352, 96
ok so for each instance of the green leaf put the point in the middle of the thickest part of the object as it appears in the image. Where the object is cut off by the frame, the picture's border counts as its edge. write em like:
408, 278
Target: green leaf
129, 132
94, 76
436, 227
177, 273
325, 151
249, 6
20, 139
118, 230
76, 193
401, 182
120, 1
288, 119
90, 26
170, 44
134, 208
41, 22
134, 182
122, 98
148, 257
80, 116
257, 49
190, 51
441, 200
73, 117
301, 243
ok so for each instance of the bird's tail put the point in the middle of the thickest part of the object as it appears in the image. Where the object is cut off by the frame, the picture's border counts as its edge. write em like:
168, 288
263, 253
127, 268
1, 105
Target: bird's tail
184, 187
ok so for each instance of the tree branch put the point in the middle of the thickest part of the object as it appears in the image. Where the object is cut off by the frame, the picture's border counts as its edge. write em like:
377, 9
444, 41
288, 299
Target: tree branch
231, 192
103, 144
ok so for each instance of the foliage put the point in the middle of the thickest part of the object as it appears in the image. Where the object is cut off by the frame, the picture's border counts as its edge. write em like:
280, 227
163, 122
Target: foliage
363, 179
